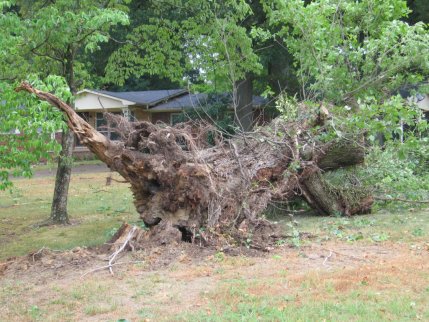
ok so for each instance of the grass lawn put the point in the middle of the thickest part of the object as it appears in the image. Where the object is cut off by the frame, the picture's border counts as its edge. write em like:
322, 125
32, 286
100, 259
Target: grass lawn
396, 290
364, 268
52, 164
95, 210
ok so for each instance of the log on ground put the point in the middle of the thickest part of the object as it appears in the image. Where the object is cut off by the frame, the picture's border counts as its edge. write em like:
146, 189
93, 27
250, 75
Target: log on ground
191, 183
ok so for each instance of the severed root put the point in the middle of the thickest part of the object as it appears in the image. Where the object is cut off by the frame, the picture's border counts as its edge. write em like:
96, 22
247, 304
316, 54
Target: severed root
108, 266
126, 238
112, 257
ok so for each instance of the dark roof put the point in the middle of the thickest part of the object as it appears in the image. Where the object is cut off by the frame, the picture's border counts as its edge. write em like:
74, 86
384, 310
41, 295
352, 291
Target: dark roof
173, 99
199, 100
145, 97
407, 91
259, 101
182, 102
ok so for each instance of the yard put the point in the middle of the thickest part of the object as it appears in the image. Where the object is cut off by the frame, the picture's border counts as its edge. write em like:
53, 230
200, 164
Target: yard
363, 268
220, 114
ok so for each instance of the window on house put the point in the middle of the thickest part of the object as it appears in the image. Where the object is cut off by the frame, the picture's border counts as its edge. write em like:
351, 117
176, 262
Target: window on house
129, 115
104, 127
176, 118
84, 115
101, 124
109, 130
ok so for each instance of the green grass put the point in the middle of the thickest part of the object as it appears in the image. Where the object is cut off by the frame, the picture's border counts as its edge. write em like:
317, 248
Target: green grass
95, 211
87, 298
52, 164
278, 294
349, 308
234, 301
407, 226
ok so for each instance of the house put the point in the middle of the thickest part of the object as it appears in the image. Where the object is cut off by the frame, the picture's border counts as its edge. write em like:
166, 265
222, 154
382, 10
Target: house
413, 96
153, 106
135, 105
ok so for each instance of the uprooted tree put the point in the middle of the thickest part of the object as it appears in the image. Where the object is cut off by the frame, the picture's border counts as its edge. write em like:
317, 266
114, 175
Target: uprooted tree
186, 189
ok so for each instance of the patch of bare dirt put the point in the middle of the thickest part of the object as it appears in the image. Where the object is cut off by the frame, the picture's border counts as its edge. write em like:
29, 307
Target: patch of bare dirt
46, 263
182, 276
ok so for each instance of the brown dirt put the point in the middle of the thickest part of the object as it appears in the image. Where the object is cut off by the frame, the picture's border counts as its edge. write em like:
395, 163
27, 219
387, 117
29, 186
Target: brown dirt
183, 274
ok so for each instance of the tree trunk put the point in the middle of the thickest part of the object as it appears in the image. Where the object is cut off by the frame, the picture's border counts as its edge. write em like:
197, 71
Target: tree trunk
59, 212
186, 189
243, 105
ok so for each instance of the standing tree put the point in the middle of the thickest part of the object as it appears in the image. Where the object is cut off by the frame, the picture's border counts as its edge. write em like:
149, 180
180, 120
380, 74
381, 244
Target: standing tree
349, 50
224, 42
52, 38
419, 11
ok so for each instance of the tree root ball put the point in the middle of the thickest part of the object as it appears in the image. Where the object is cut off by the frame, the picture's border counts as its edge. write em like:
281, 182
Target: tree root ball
188, 187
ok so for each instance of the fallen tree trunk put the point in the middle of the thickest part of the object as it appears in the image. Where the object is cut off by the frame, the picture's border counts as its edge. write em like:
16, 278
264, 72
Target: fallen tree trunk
184, 188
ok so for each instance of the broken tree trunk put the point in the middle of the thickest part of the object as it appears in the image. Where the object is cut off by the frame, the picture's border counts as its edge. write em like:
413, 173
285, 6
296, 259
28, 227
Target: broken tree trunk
185, 188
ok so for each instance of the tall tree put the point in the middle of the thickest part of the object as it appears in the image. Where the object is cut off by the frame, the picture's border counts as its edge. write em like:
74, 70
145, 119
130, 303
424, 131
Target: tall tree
223, 41
170, 38
52, 38
419, 11
350, 50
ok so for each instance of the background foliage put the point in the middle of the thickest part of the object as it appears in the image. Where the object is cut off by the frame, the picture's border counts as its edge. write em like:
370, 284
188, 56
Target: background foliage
350, 56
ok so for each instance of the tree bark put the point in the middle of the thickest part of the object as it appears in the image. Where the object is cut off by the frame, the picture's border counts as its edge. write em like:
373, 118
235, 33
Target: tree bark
186, 189
59, 214
243, 104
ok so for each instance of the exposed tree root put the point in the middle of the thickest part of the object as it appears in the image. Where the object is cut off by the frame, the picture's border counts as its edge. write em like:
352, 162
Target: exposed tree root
191, 184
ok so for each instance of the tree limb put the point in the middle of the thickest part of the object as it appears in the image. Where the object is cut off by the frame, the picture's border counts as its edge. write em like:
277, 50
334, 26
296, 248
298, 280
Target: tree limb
94, 140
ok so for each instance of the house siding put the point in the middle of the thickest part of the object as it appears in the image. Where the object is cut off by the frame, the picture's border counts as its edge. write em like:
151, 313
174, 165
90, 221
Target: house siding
142, 115
89, 101
161, 117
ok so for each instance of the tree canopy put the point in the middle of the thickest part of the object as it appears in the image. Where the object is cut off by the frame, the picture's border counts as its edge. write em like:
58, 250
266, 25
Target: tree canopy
47, 43
354, 54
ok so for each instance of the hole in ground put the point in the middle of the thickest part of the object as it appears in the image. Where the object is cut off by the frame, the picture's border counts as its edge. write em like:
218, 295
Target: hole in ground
152, 186
151, 222
186, 234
